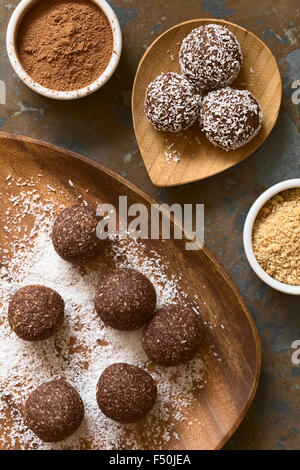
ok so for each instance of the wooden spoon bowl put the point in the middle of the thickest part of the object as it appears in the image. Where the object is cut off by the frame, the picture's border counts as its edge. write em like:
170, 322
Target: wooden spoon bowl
198, 158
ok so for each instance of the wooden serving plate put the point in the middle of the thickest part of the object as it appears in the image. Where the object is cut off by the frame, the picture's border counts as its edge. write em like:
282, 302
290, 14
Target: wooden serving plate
231, 382
259, 74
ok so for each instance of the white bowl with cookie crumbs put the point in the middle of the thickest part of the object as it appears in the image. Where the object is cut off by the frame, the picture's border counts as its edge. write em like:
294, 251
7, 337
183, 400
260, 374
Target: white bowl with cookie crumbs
272, 237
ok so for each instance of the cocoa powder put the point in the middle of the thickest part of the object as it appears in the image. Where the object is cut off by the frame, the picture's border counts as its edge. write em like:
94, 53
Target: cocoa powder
65, 45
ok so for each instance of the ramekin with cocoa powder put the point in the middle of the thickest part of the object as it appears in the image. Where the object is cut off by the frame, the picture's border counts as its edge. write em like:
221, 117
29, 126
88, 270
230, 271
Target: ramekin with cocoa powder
64, 49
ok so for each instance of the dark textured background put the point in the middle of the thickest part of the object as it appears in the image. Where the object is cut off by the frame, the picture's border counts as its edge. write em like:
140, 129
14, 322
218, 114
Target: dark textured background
100, 127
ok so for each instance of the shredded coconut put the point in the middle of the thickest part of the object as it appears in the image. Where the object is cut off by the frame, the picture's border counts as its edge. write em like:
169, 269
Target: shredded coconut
171, 103
84, 347
230, 118
210, 57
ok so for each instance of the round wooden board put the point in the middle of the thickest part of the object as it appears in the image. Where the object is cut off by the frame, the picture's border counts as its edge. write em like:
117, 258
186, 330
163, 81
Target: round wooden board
259, 74
232, 381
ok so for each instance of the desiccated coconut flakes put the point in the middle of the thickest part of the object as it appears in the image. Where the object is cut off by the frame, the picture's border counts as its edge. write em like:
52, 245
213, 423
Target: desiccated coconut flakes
84, 347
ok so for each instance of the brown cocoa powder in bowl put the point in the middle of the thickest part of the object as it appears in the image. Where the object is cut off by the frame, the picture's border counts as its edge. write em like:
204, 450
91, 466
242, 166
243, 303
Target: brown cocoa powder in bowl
64, 45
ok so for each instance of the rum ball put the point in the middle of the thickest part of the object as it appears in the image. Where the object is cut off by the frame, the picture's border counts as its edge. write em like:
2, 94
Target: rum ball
171, 103
74, 234
125, 393
173, 335
210, 57
36, 312
230, 118
54, 411
125, 299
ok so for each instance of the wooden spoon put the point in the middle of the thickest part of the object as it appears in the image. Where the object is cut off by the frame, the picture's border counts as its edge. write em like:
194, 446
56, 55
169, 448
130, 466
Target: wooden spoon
233, 364
259, 74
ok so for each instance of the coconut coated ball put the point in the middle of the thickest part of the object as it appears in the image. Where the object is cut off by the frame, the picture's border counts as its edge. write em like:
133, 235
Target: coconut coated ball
36, 312
171, 103
210, 57
54, 411
125, 299
230, 118
173, 335
74, 234
125, 393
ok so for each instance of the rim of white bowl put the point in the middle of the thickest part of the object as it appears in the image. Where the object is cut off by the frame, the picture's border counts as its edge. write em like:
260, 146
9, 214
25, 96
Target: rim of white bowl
247, 236
11, 36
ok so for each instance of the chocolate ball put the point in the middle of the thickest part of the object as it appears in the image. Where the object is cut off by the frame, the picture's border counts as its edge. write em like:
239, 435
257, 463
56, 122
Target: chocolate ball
36, 312
173, 335
171, 103
210, 57
125, 393
74, 234
230, 118
125, 299
54, 411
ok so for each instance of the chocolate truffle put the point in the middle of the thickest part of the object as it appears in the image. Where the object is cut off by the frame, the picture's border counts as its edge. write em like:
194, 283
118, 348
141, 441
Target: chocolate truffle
173, 335
125, 393
125, 299
210, 57
35, 312
171, 103
230, 118
74, 234
54, 411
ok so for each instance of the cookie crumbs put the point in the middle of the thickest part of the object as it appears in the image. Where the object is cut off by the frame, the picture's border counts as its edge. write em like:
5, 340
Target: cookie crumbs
276, 237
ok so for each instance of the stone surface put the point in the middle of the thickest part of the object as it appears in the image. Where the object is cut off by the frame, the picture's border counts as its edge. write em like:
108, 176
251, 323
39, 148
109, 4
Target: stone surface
90, 126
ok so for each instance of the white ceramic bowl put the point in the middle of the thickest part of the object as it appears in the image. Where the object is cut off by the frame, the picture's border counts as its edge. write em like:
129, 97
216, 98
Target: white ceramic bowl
248, 227
11, 36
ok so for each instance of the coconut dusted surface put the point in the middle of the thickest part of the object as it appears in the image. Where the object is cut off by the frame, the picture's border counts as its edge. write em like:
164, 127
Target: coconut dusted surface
230, 118
126, 393
54, 411
173, 336
171, 103
74, 234
125, 299
84, 346
210, 57
35, 312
